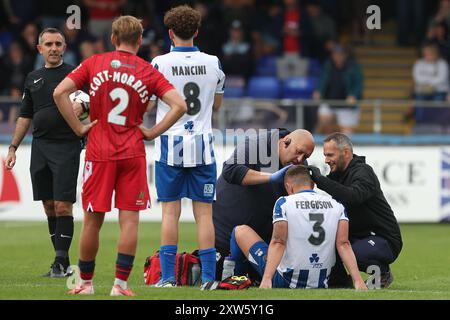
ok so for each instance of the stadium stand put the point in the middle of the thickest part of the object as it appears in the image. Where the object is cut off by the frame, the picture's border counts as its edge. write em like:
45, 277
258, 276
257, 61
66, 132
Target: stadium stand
387, 66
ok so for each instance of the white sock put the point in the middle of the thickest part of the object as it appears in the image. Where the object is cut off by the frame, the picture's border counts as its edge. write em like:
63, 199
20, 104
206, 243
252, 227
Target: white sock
121, 283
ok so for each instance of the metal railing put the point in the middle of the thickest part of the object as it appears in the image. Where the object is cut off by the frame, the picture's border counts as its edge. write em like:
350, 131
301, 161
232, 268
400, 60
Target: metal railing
277, 106
232, 107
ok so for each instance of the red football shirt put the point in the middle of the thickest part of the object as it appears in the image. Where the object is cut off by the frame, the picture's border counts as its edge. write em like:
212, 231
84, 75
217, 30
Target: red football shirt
120, 86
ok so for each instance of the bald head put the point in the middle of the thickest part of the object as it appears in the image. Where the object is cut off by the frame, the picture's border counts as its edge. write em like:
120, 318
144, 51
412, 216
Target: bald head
296, 147
303, 136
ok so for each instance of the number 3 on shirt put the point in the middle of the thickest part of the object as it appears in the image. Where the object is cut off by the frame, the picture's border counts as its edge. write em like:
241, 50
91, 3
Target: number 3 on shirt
114, 115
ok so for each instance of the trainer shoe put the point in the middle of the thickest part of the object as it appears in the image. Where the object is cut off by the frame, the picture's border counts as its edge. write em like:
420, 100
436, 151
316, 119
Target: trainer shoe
118, 291
84, 289
386, 279
165, 284
209, 285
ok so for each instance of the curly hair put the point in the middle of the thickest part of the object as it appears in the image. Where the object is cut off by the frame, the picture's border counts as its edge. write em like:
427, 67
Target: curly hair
183, 20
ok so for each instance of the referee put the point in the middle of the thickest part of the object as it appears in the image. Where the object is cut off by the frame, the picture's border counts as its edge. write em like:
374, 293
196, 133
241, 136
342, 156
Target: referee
55, 150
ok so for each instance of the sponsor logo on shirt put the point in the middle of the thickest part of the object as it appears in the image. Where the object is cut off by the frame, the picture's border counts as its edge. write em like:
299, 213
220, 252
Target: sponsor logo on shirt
116, 64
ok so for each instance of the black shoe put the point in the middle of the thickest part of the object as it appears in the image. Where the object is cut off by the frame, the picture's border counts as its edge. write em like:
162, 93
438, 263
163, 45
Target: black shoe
47, 274
210, 285
386, 280
57, 271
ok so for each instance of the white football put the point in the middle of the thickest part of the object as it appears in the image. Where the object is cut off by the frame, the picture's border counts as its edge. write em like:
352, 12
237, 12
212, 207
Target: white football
80, 96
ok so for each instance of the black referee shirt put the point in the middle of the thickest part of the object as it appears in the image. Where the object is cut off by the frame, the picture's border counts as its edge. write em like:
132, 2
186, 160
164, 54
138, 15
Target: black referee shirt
250, 205
38, 103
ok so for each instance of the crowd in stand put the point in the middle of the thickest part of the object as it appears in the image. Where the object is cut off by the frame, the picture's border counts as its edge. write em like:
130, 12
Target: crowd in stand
431, 73
291, 46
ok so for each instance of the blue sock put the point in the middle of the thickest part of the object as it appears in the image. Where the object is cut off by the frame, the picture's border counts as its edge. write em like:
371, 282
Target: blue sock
208, 260
240, 267
167, 257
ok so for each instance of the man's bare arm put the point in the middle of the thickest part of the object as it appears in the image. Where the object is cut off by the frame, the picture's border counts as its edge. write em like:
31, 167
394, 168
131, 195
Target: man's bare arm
276, 250
22, 126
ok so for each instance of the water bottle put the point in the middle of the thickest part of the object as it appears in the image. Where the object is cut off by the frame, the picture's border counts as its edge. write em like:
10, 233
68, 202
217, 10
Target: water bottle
196, 275
228, 267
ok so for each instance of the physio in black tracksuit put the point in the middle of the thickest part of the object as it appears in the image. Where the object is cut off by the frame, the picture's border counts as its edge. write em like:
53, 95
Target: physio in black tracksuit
374, 232
250, 184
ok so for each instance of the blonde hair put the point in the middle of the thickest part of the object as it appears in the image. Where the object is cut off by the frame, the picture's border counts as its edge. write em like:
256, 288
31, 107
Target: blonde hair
127, 29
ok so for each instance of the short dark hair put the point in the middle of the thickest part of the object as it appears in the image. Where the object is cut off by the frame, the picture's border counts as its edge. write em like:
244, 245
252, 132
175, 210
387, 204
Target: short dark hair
50, 30
299, 174
342, 141
183, 20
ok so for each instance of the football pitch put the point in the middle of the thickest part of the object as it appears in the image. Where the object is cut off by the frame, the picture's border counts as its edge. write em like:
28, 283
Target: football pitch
421, 272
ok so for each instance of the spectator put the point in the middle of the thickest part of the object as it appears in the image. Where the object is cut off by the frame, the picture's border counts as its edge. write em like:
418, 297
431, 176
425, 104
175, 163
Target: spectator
28, 40
20, 12
16, 66
323, 31
102, 14
87, 50
438, 34
340, 79
100, 46
431, 83
241, 10
267, 30
211, 34
295, 41
74, 39
295, 29
443, 13
237, 59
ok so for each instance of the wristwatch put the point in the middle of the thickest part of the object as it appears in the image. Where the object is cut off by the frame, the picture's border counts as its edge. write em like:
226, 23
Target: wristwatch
13, 146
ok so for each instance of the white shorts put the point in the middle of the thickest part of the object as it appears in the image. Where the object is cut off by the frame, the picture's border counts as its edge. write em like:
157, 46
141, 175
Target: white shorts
345, 117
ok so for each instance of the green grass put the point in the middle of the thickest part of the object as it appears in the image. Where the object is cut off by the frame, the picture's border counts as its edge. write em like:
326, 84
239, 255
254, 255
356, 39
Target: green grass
421, 272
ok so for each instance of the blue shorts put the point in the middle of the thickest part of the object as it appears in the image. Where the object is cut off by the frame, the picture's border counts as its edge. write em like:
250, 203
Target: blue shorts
257, 255
196, 183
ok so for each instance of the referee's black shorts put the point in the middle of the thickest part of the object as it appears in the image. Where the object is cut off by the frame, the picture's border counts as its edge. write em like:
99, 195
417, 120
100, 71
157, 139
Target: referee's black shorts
54, 169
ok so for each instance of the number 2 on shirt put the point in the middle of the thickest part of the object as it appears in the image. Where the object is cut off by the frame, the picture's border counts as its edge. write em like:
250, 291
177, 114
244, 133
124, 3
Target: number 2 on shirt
114, 116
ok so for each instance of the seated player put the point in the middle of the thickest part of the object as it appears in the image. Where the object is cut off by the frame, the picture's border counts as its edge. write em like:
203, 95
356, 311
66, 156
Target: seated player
307, 228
